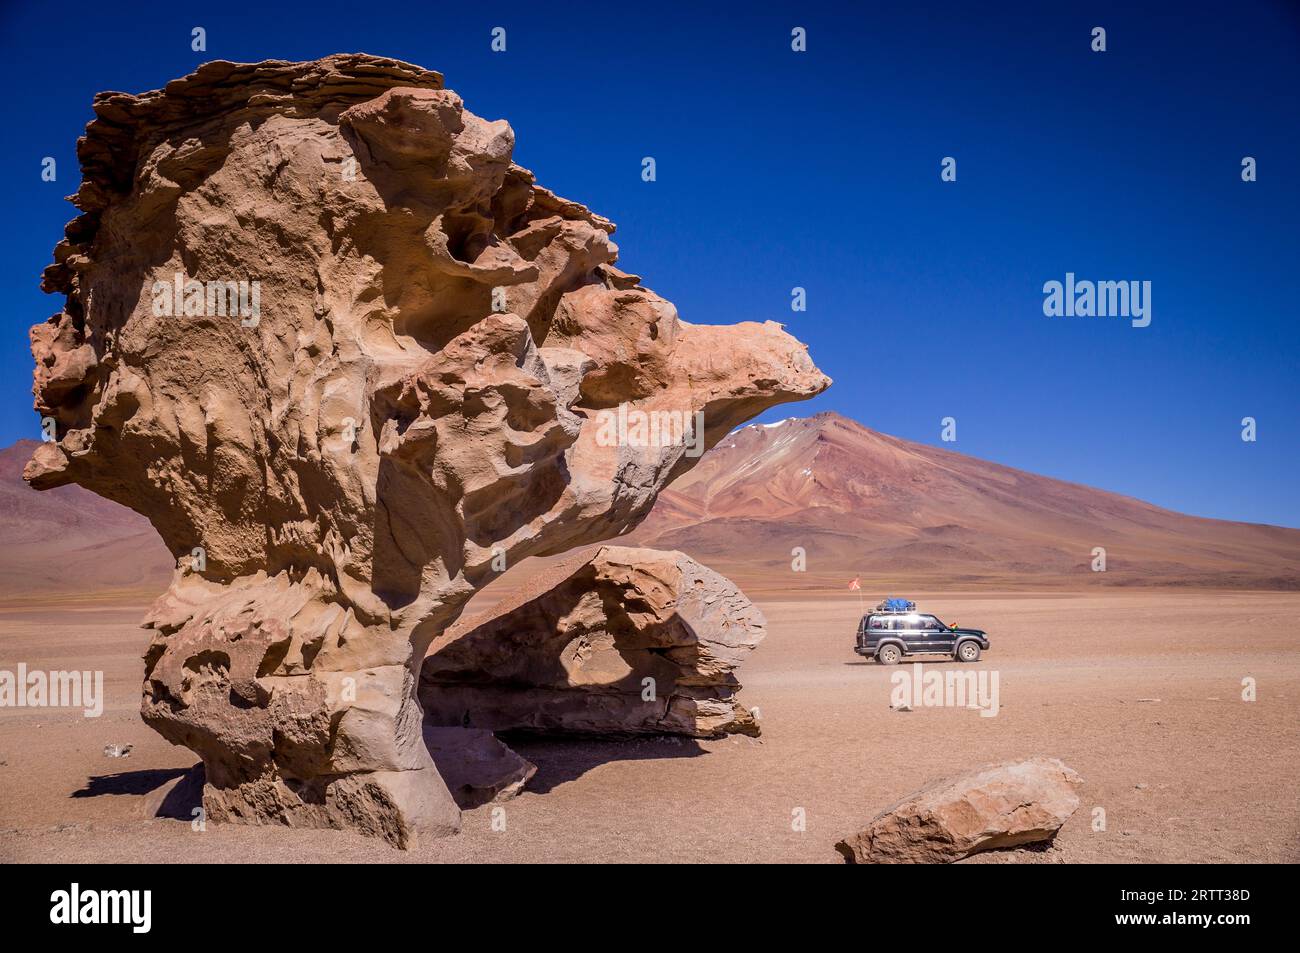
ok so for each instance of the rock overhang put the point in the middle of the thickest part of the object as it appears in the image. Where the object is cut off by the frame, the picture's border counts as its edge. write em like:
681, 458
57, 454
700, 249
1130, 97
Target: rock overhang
415, 398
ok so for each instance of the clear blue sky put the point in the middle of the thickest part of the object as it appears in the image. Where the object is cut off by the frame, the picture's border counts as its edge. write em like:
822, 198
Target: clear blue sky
821, 169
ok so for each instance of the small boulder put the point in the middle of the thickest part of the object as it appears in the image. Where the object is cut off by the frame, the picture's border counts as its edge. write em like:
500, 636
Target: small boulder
1002, 805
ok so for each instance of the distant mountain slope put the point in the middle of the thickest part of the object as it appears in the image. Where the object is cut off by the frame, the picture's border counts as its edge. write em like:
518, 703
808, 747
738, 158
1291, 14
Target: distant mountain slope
862, 502
68, 540
859, 502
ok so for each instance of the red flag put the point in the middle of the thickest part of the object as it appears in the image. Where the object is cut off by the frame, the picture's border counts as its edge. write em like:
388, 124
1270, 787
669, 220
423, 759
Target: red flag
854, 584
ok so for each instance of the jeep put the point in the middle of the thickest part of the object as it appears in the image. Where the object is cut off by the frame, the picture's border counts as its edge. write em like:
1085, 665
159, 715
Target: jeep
891, 631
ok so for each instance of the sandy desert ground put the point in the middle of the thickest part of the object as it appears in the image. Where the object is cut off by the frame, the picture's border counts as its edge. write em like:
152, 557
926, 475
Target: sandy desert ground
1196, 775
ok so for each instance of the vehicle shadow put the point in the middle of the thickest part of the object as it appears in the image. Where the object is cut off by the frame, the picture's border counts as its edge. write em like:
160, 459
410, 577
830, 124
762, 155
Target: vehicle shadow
911, 660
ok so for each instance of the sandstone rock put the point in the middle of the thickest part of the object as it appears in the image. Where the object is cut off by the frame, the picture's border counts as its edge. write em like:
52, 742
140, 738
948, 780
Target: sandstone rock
571, 653
341, 351
1003, 805
476, 767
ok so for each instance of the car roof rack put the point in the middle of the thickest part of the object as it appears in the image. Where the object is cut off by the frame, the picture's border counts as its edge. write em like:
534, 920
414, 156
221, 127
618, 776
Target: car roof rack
896, 606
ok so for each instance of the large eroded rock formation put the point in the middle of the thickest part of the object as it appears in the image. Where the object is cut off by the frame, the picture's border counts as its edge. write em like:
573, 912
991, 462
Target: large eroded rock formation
629, 641
407, 385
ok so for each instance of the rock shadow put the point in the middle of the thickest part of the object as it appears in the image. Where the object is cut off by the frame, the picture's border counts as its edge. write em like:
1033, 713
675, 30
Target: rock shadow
560, 760
128, 782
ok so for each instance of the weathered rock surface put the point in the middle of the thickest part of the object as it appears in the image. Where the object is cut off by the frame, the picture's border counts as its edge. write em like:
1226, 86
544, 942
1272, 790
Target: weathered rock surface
406, 384
476, 767
1002, 805
572, 652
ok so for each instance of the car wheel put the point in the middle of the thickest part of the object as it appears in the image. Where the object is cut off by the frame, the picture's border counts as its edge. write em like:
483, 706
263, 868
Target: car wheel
888, 655
968, 651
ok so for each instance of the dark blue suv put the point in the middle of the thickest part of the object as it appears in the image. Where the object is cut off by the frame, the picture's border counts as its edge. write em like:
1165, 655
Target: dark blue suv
890, 633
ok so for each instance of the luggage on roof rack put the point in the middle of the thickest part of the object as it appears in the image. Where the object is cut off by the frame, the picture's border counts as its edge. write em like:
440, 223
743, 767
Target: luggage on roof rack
896, 605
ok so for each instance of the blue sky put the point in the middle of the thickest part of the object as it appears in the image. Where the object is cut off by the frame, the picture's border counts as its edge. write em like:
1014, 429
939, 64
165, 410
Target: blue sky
821, 169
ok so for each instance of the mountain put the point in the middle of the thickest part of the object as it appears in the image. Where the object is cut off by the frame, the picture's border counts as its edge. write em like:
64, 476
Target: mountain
862, 502
68, 541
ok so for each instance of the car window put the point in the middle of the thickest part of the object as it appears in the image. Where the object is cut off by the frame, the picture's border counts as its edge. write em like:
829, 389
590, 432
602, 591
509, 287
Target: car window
877, 623
930, 623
